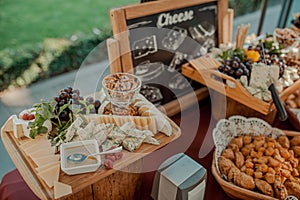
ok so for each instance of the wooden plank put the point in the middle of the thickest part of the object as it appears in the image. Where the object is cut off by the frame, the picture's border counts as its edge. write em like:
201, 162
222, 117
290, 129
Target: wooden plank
230, 14
85, 194
222, 11
153, 7
227, 26
120, 185
120, 32
26, 166
114, 55
184, 102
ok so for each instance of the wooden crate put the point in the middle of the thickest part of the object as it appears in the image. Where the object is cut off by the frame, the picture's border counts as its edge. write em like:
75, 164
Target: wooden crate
239, 100
293, 118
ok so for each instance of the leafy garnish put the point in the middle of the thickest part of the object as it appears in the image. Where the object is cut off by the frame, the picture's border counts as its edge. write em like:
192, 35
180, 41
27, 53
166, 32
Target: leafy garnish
48, 111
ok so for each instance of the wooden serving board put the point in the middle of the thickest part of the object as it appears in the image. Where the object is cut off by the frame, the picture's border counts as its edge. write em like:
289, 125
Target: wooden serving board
209, 76
115, 179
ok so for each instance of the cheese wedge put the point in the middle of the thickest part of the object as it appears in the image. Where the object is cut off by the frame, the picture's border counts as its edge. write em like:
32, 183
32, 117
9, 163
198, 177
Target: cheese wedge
31, 142
61, 189
42, 152
40, 144
45, 167
50, 175
44, 160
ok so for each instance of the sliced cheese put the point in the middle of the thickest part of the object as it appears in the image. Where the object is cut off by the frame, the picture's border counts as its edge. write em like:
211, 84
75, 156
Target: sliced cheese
61, 189
37, 146
44, 160
50, 175
42, 152
30, 142
45, 167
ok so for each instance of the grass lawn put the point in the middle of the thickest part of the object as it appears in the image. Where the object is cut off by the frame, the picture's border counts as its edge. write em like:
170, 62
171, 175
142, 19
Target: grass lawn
30, 21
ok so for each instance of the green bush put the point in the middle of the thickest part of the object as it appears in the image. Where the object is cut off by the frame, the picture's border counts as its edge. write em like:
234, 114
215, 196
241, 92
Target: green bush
27, 64
242, 7
13, 62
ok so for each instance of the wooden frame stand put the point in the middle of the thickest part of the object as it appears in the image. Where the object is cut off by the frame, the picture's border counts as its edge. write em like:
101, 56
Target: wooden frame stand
119, 47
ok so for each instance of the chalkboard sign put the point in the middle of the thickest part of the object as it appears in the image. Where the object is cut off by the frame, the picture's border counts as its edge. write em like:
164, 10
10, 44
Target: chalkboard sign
156, 38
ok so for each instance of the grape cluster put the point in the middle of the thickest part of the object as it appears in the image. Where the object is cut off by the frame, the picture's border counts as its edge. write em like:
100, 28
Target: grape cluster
237, 66
71, 96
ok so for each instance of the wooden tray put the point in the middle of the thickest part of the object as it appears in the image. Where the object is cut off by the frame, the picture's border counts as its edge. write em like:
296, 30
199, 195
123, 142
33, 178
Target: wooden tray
293, 118
215, 80
80, 183
237, 192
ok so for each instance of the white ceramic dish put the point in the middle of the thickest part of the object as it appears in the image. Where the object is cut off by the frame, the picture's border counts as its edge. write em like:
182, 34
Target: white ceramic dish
20, 125
85, 147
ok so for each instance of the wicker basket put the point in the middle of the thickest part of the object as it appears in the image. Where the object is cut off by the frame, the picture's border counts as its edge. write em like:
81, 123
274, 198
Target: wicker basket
234, 191
261, 127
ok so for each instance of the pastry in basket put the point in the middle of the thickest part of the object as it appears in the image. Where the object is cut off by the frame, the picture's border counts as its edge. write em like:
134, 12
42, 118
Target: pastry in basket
271, 166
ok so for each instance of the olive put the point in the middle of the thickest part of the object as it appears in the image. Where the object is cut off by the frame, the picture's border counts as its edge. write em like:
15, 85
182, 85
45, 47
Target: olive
97, 104
235, 64
239, 73
227, 68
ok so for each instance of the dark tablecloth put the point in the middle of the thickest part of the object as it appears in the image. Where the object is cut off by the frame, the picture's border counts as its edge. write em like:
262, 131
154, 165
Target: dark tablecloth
13, 186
